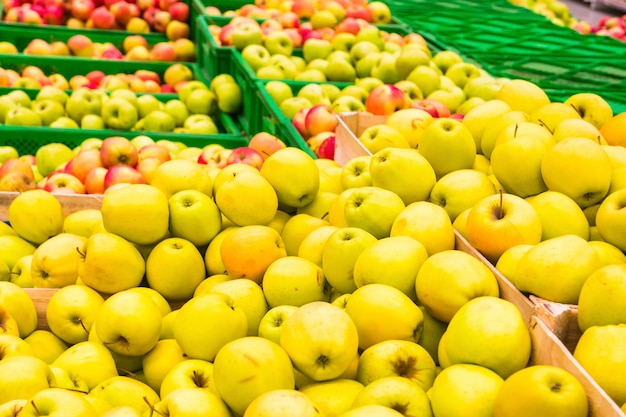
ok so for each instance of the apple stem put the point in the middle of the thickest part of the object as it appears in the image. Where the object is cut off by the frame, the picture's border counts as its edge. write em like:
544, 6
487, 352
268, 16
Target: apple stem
500, 207
151, 407
35, 407
82, 324
577, 110
544, 125
81, 253
515, 130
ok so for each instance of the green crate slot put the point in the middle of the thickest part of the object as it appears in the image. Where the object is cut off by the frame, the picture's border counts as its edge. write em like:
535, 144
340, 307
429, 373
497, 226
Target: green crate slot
213, 59
27, 140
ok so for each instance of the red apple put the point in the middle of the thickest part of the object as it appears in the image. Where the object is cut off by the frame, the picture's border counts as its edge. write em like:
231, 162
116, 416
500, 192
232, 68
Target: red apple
64, 183
320, 118
266, 144
102, 18
442, 110
154, 151
385, 100
122, 174
118, 150
83, 162
147, 167
245, 155
327, 148
179, 11
94, 181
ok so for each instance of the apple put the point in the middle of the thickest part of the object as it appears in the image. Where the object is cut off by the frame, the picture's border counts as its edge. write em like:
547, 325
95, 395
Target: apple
378, 137
189, 373
125, 391
26, 376
547, 389
397, 393
591, 107
282, 403
560, 215
19, 305
385, 100
522, 95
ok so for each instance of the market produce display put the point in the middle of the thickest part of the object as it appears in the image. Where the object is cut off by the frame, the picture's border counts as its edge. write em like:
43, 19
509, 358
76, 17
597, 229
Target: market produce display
340, 217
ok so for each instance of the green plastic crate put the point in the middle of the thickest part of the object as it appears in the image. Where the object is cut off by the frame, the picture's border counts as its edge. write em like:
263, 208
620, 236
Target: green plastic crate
213, 58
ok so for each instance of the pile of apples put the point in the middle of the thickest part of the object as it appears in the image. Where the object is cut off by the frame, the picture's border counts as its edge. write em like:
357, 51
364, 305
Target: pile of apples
191, 110
140, 81
143, 16
614, 27
133, 47
289, 300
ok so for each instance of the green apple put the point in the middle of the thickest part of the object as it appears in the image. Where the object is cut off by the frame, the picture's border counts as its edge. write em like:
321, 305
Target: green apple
385, 68
247, 33
246, 198
159, 121
451, 392
290, 105
206, 323
157, 363
138, 212
294, 281
126, 390
294, 176
99, 266
82, 102
347, 103
201, 101
22, 116
339, 254
147, 103
461, 72
20, 306
248, 295
49, 110
278, 42
51, 156
286, 66
171, 258
547, 390
560, 215
571, 157
369, 307
194, 216
248, 367
436, 233
373, 266
472, 335
499, 221
6, 104
516, 164
24, 377
446, 59
64, 122
229, 95
71, 311
373, 209
315, 48
396, 392
46, 345
278, 90
365, 65
356, 172
129, 323
343, 41
320, 339
396, 169
340, 70
461, 189
190, 373
381, 136
256, 56
119, 113
52, 92
314, 93
485, 87
391, 358
200, 124
408, 59
272, 321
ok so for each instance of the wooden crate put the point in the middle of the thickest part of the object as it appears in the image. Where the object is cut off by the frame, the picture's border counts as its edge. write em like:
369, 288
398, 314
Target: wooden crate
350, 125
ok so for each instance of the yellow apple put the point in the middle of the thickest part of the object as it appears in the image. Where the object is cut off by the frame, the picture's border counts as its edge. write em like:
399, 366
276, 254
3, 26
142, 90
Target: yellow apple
507, 263
293, 281
212, 257
552, 114
129, 323
371, 410
569, 159
71, 311
297, 228
609, 254
320, 205
339, 254
411, 123
333, 397
36, 215
194, 216
382, 312
160, 360
356, 172
8, 325
46, 345
167, 325
87, 361
248, 367
600, 297
374, 265
460, 190
559, 214
20, 306
433, 330
249, 296
12, 345
404, 171
160, 301
473, 336
125, 390
23, 377
21, 274
82, 222
181, 174
312, 245
428, 223
482, 116
247, 198
206, 323
372, 209
610, 221
192, 402
522, 95
569, 256
493, 130
541, 390
449, 279
465, 388
55, 262
282, 403
500, 221
99, 267
321, 340
190, 373
577, 127
523, 128
59, 402
136, 212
